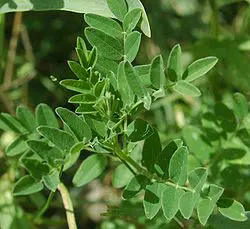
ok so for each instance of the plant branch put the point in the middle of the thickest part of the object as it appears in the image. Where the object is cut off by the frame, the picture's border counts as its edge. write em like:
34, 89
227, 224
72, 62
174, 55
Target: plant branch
68, 206
129, 160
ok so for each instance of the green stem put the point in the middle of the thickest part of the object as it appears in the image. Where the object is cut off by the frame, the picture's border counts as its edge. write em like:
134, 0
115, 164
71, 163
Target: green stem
68, 206
48, 202
124, 157
45, 206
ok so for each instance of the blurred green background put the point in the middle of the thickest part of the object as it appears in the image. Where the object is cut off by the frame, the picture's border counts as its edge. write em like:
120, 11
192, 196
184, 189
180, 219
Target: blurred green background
203, 27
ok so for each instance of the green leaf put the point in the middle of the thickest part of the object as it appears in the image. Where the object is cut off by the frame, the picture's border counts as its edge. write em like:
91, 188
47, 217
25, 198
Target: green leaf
199, 68
157, 75
118, 8
185, 88
143, 71
232, 209
73, 156
47, 153
83, 98
240, 105
136, 184
121, 176
225, 117
187, 203
26, 117
152, 199
17, 147
78, 70
10, 123
197, 178
80, 44
59, 138
45, 116
36, 168
174, 67
86, 109
83, 57
178, 166
105, 65
26, 186
170, 201
113, 80
52, 180
206, 206
98, 126
164, 157
76, 124
134, 81
99, 7
107, 46
106, 25
144, 24
132, 45
76, 85
89, 170
92, 58
220, 222
139, 130
151, 150
124, 89
131, 20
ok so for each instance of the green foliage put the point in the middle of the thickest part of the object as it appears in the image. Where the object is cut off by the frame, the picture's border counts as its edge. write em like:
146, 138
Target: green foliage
158, 178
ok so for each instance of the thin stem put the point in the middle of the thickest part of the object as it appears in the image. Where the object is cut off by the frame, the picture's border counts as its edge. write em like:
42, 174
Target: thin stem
45, 206
144, 172
68, 206
179, 222
12, 48
48, 202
